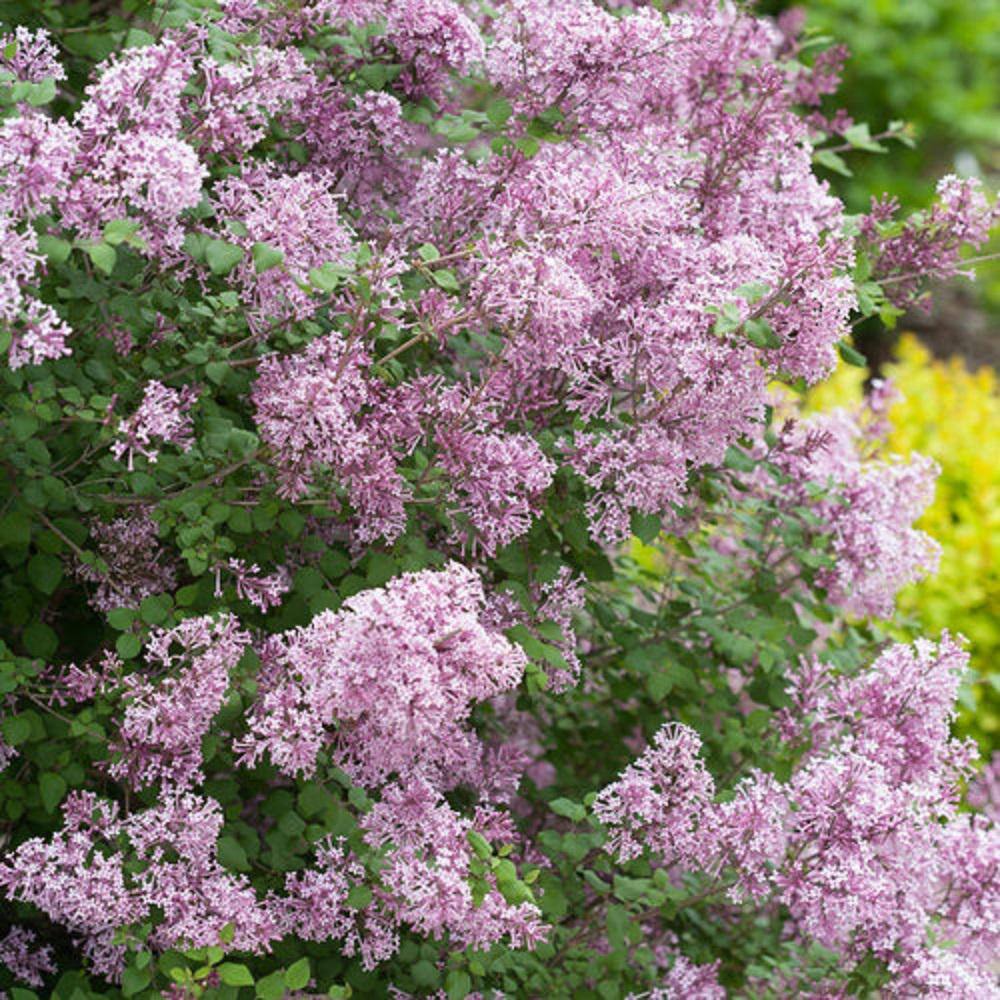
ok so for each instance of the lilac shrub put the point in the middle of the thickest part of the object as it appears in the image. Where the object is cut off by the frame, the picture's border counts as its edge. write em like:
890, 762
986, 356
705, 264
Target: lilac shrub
414, 583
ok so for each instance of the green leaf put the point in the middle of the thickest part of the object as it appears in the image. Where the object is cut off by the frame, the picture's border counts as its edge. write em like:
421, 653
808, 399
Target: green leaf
498, 112
851, 355
119, 230
121, 618
446, 279
327, 277
41, 93
233, 974
830, 160
425, 974
359, 897
52, 788
56, 249
646, 527
568, 808
103, 256
458, 984
271, 987
760, 334
128, 645
135, 980
155, 609
528, 145
266, 256
659, 685
298, 975
45, 572
15, 529
232, 855
40, 640
736, 458
596, 882
222, 257
15, 729
860, 137
479, 844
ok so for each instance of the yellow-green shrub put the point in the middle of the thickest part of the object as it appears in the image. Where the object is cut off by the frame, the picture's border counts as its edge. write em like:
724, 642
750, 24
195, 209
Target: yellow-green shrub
952, 415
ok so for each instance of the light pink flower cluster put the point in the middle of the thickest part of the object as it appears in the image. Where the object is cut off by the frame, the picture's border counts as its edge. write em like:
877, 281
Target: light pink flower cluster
162, 414
103, 871
297, 215
241, 97
434, 39
427, 877
34, 57
316, 907
36, 157
28, 962
136, 564
929, 247
314, 410
869, 510
687, 981
387, 682
38, 333
131, 161
864, 845
263, 591
496, 482
166, 717
658, 801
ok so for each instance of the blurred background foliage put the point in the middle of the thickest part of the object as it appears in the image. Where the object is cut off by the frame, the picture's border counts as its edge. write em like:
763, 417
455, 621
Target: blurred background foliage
936, 65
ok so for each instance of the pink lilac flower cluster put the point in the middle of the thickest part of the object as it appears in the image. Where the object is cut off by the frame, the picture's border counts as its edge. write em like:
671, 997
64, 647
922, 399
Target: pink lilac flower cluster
687, 981
317, 409
163, 414
170, 706
869, 509
864, 845
433, 39
25, 958
87, 878
69, 683
33, 58
424, 885
297, 215
136, 565
38, 333
240, 98
387, 684
428, 871
316, 907
598, 267
659, 800
929, 247
331, 684
262, 590
496, 482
